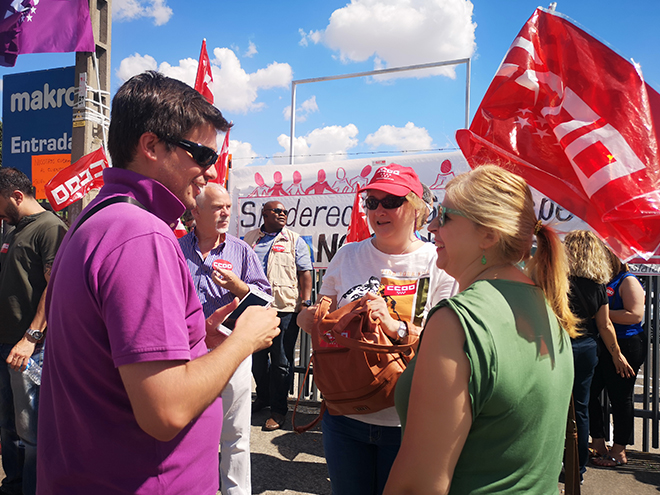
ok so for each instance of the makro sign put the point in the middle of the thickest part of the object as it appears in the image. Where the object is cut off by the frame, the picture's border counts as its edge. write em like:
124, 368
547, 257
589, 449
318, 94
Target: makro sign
37, 115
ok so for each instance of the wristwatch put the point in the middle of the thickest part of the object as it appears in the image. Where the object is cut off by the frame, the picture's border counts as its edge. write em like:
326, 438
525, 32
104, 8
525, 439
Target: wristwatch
402, 332
307, 303
37, 335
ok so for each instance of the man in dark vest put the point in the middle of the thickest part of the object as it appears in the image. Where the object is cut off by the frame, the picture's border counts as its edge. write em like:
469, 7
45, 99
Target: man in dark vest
287, 263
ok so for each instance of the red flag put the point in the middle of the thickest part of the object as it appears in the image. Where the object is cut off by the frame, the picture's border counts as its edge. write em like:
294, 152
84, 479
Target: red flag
204, 79
221, 164
358, 230
72, 183
576, 120
180, 229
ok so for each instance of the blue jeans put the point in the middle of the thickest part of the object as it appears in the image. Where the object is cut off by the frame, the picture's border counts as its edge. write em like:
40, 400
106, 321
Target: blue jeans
274, 376
585, 358
19, 402
359, 455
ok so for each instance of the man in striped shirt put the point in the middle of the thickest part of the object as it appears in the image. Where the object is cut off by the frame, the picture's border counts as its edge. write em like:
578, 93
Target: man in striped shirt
224, 267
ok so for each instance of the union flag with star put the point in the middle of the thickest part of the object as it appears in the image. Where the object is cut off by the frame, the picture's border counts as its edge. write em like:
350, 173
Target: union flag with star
578, 122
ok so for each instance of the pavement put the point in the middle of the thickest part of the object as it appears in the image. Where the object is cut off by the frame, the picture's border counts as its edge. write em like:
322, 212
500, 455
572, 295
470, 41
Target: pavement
284, 462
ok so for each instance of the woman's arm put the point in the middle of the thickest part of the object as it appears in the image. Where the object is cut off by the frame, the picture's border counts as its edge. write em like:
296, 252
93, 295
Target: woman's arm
439, 411
606, 331
632, 296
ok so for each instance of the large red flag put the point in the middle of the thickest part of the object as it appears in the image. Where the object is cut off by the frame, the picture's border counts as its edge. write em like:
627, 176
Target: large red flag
221, 166
204, 79
576, 120
72, 183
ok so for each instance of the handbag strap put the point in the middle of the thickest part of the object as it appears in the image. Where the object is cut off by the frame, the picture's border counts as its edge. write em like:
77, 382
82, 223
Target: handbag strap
322, 311
370, 346
102, 204
571, 460
304, 428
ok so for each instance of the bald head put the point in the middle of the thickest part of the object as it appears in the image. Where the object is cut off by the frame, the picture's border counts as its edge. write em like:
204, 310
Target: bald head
274, 215
212, 211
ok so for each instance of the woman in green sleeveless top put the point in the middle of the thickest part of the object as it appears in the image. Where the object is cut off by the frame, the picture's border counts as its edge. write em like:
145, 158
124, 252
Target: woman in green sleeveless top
484, 404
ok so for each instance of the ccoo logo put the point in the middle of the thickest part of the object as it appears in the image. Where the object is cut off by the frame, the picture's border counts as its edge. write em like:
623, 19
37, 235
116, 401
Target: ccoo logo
222, 265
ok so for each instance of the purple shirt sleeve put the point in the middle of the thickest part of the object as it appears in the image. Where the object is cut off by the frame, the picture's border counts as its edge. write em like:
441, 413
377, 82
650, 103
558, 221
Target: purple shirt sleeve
143, 286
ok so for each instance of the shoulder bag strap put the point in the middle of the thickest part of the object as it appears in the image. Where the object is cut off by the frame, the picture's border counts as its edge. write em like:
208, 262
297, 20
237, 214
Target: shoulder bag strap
99, 206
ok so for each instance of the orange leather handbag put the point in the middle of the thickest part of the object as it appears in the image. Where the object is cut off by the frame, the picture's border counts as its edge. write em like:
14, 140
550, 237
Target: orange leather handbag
355, 365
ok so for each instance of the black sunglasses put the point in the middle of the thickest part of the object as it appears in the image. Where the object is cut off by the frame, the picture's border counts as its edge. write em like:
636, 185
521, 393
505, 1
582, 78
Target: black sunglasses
204, 156
389, 202
277, 211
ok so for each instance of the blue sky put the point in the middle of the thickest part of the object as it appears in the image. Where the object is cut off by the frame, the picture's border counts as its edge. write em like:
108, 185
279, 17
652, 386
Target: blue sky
258, 47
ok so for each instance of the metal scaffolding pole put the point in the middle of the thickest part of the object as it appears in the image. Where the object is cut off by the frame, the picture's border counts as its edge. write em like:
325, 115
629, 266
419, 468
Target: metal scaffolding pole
378, 72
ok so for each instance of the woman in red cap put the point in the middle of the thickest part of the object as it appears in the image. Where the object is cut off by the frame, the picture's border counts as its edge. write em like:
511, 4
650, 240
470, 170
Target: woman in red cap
384, 270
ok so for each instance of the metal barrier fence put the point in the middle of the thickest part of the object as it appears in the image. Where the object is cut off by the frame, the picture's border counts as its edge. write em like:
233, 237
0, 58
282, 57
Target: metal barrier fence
650, 411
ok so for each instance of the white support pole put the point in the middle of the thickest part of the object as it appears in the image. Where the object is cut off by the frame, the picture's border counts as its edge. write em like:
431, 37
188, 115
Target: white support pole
468, 70
293, 120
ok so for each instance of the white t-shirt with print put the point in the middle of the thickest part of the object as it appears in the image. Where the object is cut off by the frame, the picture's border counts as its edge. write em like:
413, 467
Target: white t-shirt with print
359, 267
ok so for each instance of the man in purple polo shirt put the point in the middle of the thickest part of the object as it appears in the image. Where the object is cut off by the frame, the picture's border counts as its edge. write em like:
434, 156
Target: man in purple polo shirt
129, 397
223, 267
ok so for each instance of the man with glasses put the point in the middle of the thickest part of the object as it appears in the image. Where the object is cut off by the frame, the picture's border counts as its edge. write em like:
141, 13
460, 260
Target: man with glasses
129, 395
224, 267
288, 266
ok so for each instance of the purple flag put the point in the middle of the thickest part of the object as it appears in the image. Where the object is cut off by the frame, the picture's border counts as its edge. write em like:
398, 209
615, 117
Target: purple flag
44, 26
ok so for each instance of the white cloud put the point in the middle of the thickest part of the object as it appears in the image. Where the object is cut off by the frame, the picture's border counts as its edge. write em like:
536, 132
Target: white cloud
136, 64
313, 36
128, 10
408, 137
307, 107
323, 144
401, 32
242, 153
251, 51
234, 90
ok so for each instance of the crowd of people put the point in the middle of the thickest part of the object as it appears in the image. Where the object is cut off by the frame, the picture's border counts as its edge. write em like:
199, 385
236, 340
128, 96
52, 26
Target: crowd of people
142, 383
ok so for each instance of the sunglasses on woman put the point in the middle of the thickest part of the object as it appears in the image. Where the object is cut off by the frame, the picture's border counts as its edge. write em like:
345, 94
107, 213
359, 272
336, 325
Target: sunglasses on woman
204, 156
389, 202
442, 214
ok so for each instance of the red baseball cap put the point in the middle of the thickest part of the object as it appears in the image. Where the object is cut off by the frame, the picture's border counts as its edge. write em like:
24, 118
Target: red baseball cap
395, 179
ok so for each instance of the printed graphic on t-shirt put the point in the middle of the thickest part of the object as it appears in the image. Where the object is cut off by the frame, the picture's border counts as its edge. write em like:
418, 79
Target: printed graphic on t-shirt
356, 292
405, 297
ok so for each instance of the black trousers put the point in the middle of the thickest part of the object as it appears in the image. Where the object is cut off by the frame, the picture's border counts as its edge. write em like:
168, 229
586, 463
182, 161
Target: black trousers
620, 390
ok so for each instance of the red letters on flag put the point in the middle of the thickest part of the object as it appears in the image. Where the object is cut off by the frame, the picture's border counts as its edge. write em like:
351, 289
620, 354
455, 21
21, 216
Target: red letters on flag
576, 120
204, 79
72, 183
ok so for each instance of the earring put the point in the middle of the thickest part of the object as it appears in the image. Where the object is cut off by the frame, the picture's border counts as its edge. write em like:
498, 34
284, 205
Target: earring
483, 258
